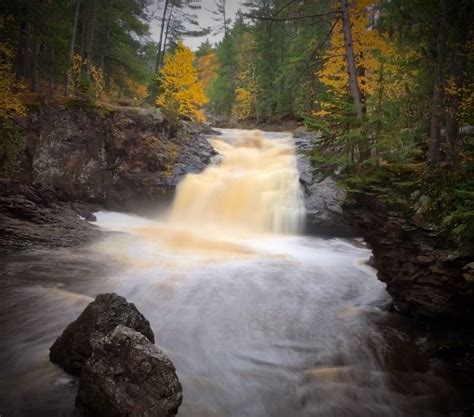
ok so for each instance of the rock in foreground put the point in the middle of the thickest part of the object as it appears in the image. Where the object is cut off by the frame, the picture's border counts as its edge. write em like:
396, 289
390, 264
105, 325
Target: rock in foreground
74, 347
128, 376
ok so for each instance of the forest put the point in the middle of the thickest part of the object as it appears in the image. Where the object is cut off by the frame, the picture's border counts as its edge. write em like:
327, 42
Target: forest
285, 188
384, 82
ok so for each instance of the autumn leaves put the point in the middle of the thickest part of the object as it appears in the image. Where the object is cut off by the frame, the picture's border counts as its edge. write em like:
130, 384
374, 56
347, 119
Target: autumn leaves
181, 92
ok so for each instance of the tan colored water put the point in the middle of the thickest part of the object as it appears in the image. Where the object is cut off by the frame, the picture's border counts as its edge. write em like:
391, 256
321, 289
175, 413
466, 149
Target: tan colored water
254, 189
259, 321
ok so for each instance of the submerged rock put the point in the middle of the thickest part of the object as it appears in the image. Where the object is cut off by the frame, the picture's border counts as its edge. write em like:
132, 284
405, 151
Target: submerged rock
74, 347
128, 376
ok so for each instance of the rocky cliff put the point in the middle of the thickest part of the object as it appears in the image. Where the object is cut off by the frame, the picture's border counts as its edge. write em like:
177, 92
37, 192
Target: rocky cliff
122, 157
424, 273
78, 159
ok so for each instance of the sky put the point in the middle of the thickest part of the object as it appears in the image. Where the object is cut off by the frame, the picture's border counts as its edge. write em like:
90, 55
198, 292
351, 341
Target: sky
205, 19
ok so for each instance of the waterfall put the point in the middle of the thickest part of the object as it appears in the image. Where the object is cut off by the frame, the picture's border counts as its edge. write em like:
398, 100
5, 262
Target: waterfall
254, 188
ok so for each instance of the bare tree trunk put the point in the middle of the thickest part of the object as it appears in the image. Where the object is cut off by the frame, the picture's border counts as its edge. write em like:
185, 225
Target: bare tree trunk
35, 68
167, 30
159, 57
438, 88
225, 16
91, 38
350, 60
73, 43
22, 49
83, 37
464, 16
452, 122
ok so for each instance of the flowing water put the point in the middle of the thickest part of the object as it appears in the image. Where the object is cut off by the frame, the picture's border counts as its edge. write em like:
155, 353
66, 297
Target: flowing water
259, 320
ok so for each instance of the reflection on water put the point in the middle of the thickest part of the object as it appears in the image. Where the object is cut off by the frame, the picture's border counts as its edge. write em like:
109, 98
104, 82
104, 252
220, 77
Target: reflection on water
258, 324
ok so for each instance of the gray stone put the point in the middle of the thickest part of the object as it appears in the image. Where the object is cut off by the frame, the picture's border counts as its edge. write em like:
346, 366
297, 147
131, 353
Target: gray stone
128, 376
74, 347
323, 198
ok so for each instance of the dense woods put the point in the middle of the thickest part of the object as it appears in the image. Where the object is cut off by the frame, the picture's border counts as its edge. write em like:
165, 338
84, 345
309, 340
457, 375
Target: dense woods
388, 84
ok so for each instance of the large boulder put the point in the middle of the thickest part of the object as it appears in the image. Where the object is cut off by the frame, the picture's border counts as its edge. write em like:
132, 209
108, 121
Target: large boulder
74, 347
128, 376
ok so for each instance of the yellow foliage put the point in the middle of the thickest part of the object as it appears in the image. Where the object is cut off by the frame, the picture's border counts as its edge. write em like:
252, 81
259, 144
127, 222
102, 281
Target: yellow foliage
377, 60
247, 89
9, 101
81, 83
182, 92
207, 65
464, 94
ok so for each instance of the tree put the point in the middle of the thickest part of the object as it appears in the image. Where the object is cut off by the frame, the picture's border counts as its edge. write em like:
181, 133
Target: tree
246, 92
438, 86
181, 91
11, 144
207, 66
220, 16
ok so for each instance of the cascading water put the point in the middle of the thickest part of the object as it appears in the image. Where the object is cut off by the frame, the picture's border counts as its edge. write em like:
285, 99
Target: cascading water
258, 323
255, 188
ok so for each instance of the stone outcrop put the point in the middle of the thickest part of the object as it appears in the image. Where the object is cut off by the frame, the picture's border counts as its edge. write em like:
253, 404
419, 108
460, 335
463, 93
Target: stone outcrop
128, 376
323, 198
74, 347
35, 217
424, 273
122, 157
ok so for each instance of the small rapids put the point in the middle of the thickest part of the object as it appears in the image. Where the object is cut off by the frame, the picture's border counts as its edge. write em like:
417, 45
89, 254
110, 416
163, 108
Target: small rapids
258, 320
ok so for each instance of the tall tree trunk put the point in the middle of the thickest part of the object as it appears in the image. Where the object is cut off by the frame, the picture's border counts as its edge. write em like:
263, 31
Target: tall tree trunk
91, 37
452, 120
22, 49
72, 46
167, 30
438, 88
224, 13
464, 16
159, 57
35, 67
350, 60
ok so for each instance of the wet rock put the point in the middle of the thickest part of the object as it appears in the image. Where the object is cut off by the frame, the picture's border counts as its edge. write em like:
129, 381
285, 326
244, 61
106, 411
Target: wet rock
425, 275
323, 198
90, 217
35, 218
128, 376
72, 349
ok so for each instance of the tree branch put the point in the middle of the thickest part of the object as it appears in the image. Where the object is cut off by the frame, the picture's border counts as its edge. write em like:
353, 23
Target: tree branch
284, 19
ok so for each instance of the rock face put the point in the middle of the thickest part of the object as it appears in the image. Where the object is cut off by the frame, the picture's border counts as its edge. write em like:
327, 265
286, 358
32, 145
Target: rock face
322, 197
120, 157
74, 347
35, 217
128, 376
424, 274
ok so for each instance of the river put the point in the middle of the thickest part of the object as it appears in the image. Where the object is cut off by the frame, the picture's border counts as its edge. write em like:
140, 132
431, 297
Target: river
259, 320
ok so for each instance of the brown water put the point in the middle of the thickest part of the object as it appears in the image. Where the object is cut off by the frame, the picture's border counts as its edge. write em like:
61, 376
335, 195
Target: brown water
258, 323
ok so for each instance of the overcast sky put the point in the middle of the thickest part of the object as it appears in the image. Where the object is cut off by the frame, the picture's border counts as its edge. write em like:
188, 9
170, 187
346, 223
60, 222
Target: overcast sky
205, 20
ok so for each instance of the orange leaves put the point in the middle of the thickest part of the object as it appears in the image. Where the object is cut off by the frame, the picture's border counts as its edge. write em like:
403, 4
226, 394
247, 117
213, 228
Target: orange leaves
182, 92
207, 65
